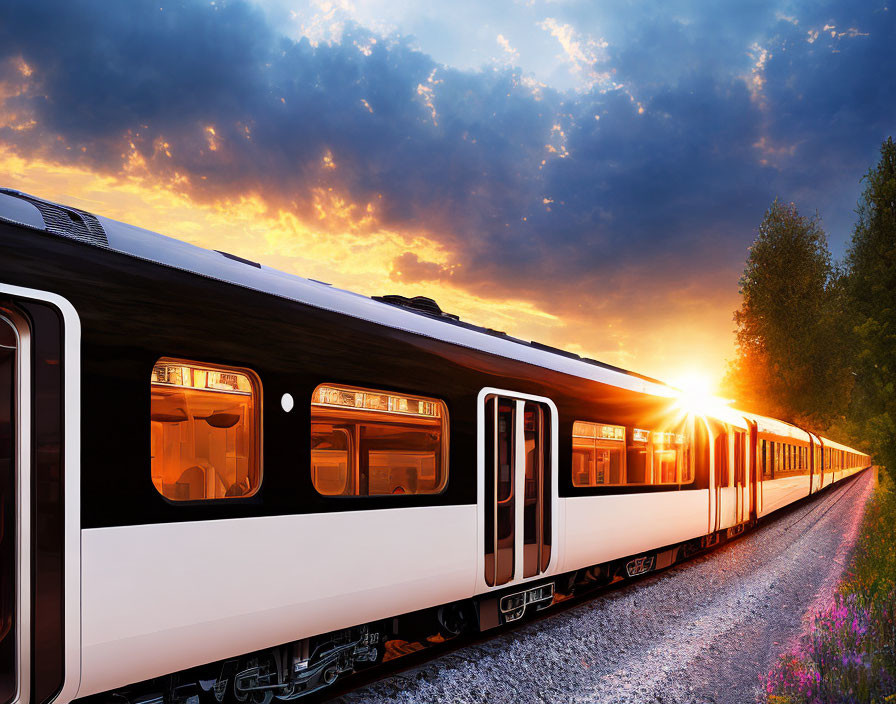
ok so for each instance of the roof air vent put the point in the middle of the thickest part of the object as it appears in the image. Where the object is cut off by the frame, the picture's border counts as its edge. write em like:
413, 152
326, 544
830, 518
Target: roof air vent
421, 304
64, 220
239, 259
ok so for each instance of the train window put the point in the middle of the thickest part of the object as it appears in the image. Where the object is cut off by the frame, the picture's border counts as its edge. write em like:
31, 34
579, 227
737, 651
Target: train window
377, 443
687, 462
536, 503
664, 464
701, 450
721, 460
739, 459
500, 525
204, 430
636, 459
671, 459
333, 459
611, 455
598, 454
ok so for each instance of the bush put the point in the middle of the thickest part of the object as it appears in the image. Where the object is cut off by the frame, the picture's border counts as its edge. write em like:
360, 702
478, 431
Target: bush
849, 656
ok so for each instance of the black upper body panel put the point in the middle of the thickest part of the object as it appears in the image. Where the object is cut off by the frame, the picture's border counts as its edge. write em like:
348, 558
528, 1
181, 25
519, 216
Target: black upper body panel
133, 312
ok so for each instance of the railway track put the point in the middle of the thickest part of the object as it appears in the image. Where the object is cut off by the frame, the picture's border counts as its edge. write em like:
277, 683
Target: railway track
699, 631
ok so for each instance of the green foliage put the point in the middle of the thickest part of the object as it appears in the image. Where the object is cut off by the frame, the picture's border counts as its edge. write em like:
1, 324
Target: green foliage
872, 575
787, 366
849, 656
870, 287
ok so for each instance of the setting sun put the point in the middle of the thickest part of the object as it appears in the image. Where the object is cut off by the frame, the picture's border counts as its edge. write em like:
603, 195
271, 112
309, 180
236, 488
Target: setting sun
696, 393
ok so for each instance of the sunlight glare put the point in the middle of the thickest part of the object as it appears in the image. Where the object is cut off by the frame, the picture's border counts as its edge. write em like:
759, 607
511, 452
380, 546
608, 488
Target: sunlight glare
696, 394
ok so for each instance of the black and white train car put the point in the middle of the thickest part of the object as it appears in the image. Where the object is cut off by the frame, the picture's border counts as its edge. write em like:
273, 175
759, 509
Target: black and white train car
221, 480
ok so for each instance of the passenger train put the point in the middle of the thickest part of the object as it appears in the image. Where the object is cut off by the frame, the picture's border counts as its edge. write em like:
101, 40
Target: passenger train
225, 482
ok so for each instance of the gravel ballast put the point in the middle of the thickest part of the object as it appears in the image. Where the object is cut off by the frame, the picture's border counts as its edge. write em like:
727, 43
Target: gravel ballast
700, 632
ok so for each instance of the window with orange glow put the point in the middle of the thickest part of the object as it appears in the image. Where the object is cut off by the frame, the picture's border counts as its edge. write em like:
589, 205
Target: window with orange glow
205, 437
723, 478
598, 454
610, 455
377, 443
739, 458
671, 458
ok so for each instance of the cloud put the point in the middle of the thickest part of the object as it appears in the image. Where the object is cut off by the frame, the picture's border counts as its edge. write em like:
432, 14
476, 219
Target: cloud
409, 268
511, 54
632, 198
581, 52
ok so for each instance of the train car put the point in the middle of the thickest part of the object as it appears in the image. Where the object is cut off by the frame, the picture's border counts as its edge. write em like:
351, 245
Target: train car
226, 482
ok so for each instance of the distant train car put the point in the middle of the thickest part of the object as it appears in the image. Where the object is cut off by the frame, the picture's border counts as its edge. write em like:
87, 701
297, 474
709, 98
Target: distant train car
223, 481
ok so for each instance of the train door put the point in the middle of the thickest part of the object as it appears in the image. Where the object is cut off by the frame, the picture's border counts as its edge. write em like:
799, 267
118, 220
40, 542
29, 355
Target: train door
518, 486
814, 477
754, 469
726, 495
15, 672
741, 491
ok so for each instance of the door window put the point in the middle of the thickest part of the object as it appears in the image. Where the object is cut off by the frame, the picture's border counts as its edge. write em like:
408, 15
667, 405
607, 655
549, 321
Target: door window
500, 461
8, 505
518, 466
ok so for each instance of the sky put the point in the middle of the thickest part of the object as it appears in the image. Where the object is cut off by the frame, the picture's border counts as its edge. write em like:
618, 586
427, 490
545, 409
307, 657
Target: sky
589, 175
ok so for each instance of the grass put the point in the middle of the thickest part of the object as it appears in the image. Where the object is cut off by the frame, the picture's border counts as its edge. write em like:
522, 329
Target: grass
850, 655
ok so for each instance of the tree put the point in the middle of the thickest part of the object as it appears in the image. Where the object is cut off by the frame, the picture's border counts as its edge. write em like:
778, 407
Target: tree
871, 303
788, 364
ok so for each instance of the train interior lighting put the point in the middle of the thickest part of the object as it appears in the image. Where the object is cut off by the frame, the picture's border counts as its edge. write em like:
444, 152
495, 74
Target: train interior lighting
204, 431
372, 443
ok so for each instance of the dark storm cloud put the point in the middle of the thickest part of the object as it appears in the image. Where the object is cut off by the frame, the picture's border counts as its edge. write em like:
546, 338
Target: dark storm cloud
110, 75
673, 176
831, 103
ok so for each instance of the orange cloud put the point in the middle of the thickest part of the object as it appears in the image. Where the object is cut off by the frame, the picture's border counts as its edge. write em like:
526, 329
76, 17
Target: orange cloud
344, 244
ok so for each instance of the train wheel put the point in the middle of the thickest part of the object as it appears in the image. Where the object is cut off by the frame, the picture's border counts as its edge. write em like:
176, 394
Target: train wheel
453, 619
261, 697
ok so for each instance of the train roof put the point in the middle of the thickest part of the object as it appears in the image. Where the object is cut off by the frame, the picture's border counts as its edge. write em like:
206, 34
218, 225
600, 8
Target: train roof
98, 231
764, 424
391, 311
774, 426
839, 446
728, 415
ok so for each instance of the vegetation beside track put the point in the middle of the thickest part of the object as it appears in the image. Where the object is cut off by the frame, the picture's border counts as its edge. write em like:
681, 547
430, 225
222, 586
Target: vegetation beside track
849, 656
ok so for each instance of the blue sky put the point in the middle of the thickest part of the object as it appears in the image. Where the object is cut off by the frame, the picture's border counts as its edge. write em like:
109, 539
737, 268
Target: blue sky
602, 166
